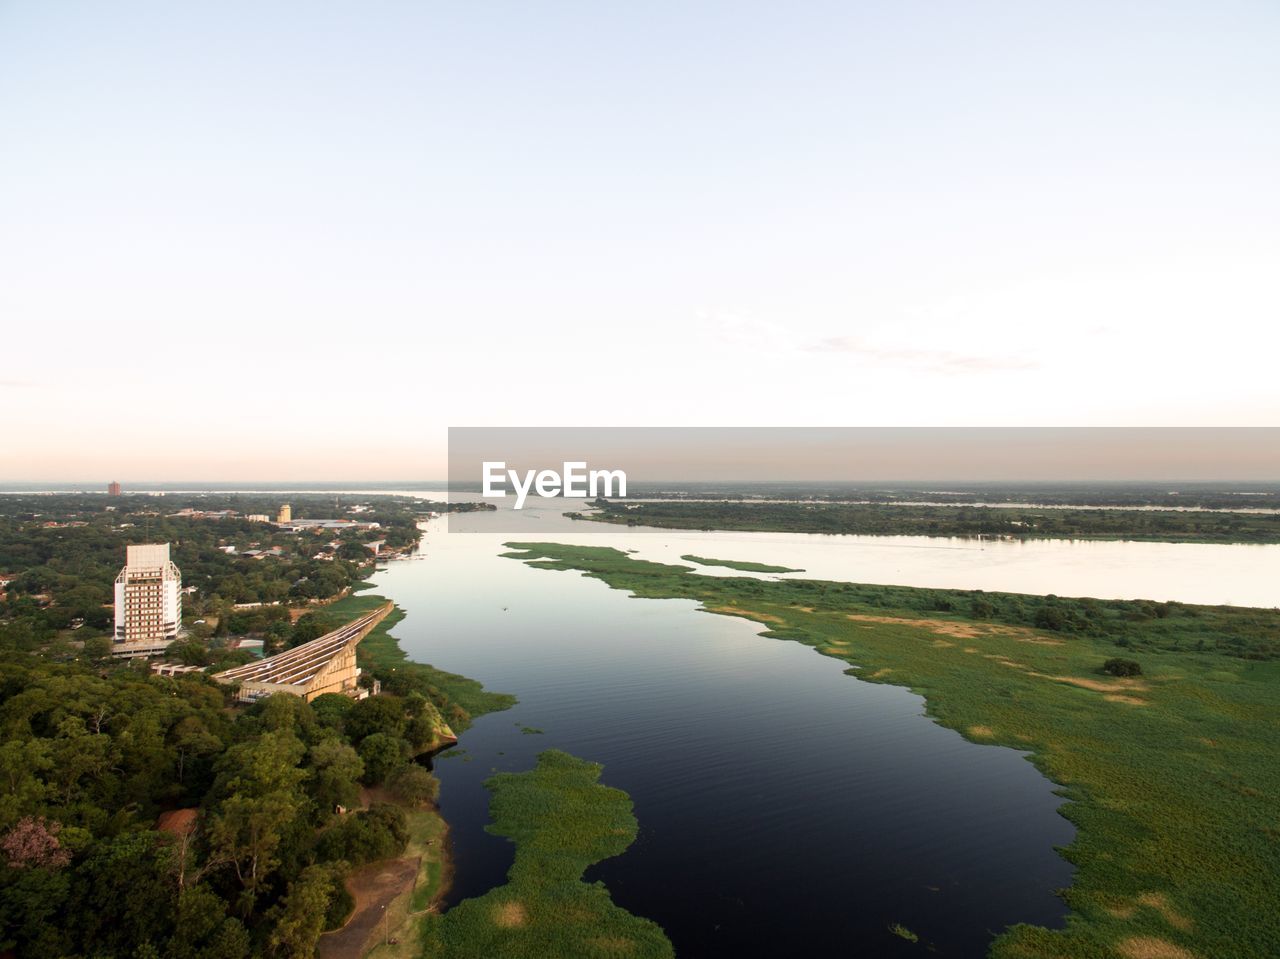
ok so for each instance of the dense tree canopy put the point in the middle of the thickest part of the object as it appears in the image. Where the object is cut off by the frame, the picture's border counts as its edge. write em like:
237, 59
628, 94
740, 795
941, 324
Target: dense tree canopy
89, 763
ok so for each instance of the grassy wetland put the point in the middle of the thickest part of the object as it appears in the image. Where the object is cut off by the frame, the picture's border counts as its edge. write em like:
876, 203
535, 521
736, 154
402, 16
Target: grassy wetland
1169, 775
901, 519
562, 820
739, 565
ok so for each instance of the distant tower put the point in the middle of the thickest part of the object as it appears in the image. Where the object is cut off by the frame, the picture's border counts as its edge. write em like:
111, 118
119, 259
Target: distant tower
113, 488
285, 515
148, 602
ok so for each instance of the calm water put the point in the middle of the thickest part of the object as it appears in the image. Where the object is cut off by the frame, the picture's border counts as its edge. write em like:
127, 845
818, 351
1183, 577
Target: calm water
780, 801
1237, 575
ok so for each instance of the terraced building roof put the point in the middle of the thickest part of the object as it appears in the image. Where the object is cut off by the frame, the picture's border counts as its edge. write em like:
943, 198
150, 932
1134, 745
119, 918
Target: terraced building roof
324, 665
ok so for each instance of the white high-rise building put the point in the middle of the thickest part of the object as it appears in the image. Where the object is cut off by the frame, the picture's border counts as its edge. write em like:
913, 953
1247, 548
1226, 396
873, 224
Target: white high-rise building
148, 602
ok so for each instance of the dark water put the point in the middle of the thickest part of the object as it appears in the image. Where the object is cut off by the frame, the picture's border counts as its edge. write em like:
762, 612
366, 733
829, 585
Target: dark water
784, 807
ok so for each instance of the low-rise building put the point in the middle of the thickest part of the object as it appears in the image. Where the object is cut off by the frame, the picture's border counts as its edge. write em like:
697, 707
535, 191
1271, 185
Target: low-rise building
174, 669
324, 665
298, 525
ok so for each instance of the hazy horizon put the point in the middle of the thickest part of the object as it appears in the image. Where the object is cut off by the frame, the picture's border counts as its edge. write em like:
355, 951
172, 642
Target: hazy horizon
290, 240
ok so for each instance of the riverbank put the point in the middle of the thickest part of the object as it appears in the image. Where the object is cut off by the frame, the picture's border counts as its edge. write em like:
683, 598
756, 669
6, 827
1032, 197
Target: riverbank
393, 896
881, 519
454, 701
1167, 775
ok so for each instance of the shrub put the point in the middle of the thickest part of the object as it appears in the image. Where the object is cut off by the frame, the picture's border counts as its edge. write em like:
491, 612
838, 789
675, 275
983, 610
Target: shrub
420, 732
1050, 617
392, 820
1121, 667
377, 833
413, 785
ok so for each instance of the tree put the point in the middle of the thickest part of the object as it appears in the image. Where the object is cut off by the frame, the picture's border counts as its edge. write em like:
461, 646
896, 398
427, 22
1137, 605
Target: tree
301, 917
203, 930
377, 714
23, 764
97, 648
80, 758
192, 739
382, 754
189, 652
265, 764
354, 552
390, 819
336, 769
981, 609
123, 894
331, 709
284, 711
33, 912
1050, 617
308, 627
379, 832
413, 785
247, 832
421, 731
259, 781
34, 842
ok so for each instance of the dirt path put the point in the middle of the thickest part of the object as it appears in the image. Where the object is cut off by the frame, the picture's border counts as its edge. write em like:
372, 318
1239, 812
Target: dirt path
373, 887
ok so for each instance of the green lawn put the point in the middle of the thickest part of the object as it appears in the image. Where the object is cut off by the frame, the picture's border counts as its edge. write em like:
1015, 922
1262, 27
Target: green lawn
1172, 778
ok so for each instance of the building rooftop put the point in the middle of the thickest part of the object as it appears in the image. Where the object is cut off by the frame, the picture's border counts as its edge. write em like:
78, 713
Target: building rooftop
326, 664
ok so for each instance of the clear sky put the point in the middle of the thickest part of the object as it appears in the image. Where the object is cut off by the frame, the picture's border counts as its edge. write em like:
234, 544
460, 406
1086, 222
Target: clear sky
298, 240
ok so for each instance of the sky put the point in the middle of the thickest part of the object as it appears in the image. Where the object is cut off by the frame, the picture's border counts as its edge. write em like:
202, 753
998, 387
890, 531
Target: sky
298, 241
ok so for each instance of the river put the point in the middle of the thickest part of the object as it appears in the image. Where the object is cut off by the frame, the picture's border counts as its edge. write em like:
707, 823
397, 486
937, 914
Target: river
784, 807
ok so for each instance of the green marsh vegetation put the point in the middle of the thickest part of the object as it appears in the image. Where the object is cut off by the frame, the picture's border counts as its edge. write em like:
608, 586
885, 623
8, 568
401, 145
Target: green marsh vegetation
738, 565
562, 820
888, 519
1170, 776
902, 932
1117, 493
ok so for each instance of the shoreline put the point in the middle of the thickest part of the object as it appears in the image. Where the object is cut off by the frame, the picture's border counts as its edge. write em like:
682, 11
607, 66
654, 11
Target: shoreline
938, 520
1146, 874
562, 820
456, 701
406, 933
